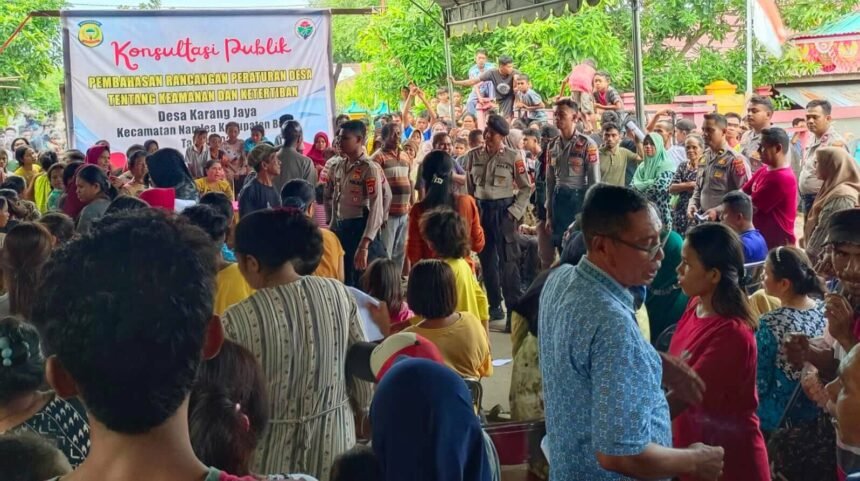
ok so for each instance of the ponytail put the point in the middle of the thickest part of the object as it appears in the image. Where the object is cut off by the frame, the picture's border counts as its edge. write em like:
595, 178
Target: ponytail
221, 434
793, 265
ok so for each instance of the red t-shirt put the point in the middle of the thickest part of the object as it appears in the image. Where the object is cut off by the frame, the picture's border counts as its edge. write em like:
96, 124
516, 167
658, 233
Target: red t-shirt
774, 198
723, 353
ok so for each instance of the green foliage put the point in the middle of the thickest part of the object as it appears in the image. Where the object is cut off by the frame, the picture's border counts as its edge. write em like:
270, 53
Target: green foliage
802, 15
44, 96
345, 29
32, 55
404, 44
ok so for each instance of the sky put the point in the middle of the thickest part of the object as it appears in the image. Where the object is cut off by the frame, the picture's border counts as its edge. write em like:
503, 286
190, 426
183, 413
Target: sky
215, 4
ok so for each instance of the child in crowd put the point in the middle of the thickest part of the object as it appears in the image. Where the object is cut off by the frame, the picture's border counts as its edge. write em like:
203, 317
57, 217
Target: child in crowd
382, 281
228, 412
230, 286
61, 227
357, 464
28, 409
463, 341
461, 146
4, 162
445, 233
128, 342
55, 177
443, 106
605, 96
30, 457
528, 103
40, 189
258, 136
225, 206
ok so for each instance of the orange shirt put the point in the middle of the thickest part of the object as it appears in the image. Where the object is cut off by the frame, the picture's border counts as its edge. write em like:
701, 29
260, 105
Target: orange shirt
417, 249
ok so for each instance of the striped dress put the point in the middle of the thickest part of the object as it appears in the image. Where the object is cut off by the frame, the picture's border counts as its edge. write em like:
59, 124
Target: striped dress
300, 333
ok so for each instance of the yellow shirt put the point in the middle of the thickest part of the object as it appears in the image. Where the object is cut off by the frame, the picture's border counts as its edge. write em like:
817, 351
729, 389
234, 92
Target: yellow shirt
471, 297
464, 345
230, 288
204, 187
29, 175
331, 256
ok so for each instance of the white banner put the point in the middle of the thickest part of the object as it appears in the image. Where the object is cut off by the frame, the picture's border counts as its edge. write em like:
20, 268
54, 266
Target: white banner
134, 76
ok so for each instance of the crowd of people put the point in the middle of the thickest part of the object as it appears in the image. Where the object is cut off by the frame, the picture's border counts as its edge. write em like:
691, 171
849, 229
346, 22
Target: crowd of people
252, 310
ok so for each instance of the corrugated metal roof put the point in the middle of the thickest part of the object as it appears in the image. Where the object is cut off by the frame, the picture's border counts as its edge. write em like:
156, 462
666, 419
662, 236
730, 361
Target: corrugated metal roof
844, 95
846, 25
467, 16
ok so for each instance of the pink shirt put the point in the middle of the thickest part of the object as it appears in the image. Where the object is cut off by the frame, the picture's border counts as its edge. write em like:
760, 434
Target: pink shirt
774, 198
580, 78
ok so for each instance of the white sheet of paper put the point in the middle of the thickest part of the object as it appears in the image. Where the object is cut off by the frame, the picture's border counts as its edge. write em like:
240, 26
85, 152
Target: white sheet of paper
363, 300
501, 362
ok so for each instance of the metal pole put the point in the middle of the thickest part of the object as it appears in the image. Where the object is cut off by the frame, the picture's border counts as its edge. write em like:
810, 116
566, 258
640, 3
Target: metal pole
638, 84
749, 38
449, 69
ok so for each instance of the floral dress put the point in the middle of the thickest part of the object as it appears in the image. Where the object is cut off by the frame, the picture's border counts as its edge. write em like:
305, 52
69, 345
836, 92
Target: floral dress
685, 173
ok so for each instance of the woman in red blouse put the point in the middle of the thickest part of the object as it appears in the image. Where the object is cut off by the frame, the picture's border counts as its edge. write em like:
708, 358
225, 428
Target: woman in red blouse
716, 337
438, 168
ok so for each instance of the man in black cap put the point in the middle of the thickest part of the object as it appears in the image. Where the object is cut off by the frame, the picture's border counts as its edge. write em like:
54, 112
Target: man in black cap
497, 178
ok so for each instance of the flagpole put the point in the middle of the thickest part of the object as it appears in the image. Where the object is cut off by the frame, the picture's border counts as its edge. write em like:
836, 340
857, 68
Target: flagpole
749, 39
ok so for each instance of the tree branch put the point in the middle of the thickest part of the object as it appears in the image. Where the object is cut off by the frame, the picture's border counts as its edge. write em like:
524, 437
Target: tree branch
692, 41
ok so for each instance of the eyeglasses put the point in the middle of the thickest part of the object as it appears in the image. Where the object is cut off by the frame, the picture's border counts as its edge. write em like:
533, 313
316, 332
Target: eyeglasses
651, 251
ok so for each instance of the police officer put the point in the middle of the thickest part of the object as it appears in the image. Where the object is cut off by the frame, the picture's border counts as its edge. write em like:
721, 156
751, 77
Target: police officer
494, 173
574, 166
355, 187
819, 122
724, 170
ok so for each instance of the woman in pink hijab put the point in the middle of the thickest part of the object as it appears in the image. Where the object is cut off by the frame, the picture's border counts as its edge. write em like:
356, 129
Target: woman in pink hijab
316, 151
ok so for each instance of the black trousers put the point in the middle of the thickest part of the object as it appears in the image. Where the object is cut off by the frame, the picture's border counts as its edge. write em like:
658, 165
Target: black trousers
566, 205
501, 255
350, 232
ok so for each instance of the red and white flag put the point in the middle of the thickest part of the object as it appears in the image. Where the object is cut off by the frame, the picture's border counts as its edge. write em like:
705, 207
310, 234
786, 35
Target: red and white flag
767, 26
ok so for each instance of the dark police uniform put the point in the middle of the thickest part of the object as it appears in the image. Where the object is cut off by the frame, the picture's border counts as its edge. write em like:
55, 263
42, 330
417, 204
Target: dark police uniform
356, 192
492, 180
574, 166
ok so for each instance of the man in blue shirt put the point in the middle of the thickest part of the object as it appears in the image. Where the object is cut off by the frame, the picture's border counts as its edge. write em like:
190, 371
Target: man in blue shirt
737, 212
485, 89
606, 415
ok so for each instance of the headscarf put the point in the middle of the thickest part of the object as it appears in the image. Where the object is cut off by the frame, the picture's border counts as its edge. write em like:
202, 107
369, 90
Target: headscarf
73, 205
94, 153
652, 167
167, 169
424, 426
844, 181
317, 156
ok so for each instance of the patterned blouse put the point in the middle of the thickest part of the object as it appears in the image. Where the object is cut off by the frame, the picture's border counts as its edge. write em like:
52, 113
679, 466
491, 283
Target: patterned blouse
776, 379
685, 173
65, 423
658, 193
300, 333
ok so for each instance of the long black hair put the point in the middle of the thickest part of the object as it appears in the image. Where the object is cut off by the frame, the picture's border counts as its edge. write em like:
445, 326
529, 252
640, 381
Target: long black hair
437, 168
720, 248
